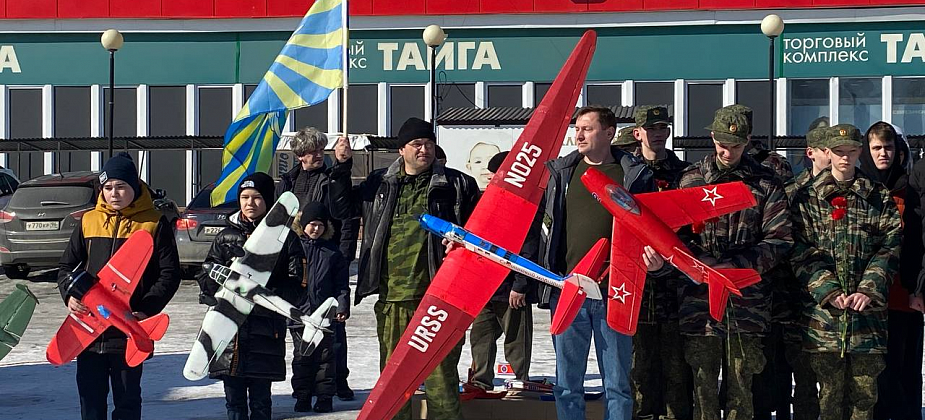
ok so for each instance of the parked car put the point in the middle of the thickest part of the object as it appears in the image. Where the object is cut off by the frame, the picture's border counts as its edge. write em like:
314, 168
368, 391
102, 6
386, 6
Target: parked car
8, 185
197, 227
36, 225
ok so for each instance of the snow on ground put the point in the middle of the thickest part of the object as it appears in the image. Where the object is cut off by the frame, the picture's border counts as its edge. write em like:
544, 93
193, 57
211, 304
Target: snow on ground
31, 388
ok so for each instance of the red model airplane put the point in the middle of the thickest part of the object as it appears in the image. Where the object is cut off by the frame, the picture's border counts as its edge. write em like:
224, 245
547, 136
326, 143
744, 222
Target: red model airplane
108, 303
466, 280
652, 219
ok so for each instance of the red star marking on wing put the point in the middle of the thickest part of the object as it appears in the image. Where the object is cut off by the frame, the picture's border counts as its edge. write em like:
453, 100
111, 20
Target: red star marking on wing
620, 293
711, 196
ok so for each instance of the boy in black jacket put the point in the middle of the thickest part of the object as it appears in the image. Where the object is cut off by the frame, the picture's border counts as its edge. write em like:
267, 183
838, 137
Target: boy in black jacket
124, 207
326, 273
257, 355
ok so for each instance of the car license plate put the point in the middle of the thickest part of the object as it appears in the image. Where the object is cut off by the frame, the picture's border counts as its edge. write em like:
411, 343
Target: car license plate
41, 225
211, 230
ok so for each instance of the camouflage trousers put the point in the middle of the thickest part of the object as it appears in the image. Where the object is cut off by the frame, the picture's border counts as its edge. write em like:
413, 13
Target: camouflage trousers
847, 386
805, 394
661, 379
517, 326
744, 359
442, 386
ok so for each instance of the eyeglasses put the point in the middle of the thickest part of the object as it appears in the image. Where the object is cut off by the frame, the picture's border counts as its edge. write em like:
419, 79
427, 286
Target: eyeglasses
421, 144
318, 152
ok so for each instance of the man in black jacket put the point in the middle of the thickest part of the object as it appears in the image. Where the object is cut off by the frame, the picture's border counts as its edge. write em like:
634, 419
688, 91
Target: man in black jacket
124, 207
312, 181
398, 258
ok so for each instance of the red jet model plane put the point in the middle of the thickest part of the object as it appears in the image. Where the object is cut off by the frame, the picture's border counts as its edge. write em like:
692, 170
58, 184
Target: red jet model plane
108, 303
466, 280
652, 219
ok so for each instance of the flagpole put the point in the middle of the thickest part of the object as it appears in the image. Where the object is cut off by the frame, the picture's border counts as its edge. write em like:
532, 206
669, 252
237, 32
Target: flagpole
346, 43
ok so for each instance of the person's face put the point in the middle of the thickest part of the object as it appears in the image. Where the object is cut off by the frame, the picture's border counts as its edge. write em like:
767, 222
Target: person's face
819, 157
418, 154
844, 157
478, 163
311, 160
314, 229
590, 136
253, 206
653, 137
729, 153
883, 152
118, 194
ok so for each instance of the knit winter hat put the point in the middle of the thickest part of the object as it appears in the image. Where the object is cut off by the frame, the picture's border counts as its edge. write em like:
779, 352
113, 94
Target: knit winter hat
415, 128
495, 163
261, 182
314, 211
121, 167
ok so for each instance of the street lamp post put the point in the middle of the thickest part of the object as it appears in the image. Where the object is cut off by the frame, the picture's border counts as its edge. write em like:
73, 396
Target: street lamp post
772, 26
434, 37
112, 41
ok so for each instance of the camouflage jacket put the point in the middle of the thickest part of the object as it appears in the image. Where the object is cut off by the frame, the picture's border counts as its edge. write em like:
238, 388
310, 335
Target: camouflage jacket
660, 297
857, 253
773, 161
757, 237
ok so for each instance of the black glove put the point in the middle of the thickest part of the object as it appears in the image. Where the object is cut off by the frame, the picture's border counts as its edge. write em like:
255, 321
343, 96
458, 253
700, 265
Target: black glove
207, 299
79, 283
234, 249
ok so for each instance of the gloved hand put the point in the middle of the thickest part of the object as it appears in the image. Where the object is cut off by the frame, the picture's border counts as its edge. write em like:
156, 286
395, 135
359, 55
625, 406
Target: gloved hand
79, 283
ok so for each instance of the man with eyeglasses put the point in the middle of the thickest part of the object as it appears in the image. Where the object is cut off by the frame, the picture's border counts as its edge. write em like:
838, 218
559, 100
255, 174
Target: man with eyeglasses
398, 258
313, 181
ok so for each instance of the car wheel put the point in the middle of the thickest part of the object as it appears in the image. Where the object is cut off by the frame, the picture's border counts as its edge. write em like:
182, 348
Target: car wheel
16, 271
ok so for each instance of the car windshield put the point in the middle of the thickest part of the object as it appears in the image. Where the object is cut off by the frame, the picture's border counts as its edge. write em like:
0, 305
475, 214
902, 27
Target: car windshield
52, 196
203, 201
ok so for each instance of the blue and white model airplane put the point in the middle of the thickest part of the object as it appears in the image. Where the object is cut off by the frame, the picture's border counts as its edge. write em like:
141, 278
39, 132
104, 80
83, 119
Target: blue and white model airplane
575, 287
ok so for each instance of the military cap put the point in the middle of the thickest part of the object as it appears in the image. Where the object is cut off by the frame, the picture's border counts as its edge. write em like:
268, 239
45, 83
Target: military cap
625, 137
842, 135
730, 126
821, 122
744, 110
815, 138
649, 115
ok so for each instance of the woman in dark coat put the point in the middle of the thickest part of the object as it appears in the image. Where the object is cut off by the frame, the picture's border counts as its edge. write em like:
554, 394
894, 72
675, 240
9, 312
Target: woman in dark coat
256, 357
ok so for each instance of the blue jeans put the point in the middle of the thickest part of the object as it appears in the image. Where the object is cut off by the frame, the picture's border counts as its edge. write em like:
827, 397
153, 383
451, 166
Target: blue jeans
614, 357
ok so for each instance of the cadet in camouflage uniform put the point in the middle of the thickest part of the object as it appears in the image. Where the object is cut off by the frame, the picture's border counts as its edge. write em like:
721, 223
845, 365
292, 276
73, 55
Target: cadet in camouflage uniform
661, 379
398, 258
760, 152
626, 141
848, 237
757, 238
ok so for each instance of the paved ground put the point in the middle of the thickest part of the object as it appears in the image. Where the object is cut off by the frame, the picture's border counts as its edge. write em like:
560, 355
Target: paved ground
31, 388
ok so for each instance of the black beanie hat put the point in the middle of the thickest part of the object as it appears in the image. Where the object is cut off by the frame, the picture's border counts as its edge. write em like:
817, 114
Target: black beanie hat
121, 167
496, 161
261, 182
314, 211
415, 128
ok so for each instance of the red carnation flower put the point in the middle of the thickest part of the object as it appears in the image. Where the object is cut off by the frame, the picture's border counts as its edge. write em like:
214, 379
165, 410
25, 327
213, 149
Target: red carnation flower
839, 213
840, 202
662, 184
841, 207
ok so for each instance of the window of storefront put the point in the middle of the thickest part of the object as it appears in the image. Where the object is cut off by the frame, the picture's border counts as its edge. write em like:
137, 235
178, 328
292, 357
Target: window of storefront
809, 99
72, 119
505, 95
311, 116
25, 107
363, 109
860, 102
215, 114
454, 95
606, 95
654, 93
909, 105
407, 102
703, 100
755, 95
539, 91
126, 110
167, 117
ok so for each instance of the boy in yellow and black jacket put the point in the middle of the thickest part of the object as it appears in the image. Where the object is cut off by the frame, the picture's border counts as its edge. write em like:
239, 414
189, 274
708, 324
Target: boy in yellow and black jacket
123, 207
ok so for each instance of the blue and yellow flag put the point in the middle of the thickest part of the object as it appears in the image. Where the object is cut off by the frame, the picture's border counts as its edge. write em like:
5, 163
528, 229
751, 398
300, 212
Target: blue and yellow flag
309, 67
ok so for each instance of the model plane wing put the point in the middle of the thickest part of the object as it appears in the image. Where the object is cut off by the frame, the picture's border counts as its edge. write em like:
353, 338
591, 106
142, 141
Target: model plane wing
75, 334
262, 248
219, 327
15, 312
627, 281
122, 273
686, 206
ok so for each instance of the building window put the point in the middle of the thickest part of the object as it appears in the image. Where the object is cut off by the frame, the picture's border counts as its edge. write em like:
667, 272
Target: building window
654, 93
860, 102
539, 91
313, 116
214, 110
126, 109
363, 106
809, 99
757, 96
407, 102
703, 101
505, 95
72, 119
456, 95
25, 107
909, 105
605, 95
167, 117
